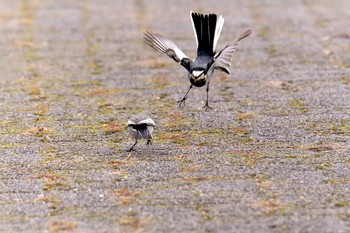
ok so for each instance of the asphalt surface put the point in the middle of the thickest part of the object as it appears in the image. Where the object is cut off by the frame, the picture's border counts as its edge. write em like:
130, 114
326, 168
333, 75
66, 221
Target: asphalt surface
272, 155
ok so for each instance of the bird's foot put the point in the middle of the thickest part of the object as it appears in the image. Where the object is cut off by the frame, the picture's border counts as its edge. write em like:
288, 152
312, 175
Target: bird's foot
149, 142
131, 149
182, 101
206, 106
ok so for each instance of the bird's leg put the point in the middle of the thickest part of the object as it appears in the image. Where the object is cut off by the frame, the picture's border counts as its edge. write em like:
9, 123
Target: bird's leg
148, 142
182, 101
132, 148
206, 106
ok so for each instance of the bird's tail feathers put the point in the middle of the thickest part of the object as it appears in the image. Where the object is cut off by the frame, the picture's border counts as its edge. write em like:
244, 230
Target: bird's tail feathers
218, 28
207, 29
144, 133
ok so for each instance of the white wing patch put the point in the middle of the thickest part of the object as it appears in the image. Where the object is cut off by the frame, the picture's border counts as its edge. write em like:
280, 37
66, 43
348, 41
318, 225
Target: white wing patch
140, 119
164, 45
179, 53
147, 121
130, 122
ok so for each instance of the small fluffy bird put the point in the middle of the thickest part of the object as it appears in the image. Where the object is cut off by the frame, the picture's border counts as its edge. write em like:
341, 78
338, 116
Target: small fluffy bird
140, 126
207, 29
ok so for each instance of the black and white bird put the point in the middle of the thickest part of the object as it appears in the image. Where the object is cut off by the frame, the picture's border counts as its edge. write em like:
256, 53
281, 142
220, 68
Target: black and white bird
207, 29
140, 126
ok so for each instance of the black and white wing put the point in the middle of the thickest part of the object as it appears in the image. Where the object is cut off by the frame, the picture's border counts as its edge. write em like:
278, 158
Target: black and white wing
223, 59
167, 47
141, 119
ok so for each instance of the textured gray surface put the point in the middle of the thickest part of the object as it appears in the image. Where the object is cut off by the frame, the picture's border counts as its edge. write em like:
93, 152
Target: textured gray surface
272, 156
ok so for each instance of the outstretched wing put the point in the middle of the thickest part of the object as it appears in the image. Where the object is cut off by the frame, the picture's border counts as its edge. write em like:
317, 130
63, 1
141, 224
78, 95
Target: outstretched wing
167, 47
223, 59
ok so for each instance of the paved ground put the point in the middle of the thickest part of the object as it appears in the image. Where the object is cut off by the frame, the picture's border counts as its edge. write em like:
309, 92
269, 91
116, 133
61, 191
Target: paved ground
272, 156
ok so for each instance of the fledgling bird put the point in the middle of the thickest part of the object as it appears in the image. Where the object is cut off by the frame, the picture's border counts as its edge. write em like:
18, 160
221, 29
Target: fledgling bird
140, 126
207, 29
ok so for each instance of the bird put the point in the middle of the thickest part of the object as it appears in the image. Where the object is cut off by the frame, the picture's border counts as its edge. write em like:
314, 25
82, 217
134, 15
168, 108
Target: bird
140, 126
207, 29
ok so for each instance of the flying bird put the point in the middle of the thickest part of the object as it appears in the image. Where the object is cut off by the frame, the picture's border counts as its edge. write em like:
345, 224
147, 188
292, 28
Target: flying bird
140, 126
207, 29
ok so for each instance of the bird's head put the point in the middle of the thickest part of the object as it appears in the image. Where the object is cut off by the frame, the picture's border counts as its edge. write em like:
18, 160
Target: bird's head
198, 77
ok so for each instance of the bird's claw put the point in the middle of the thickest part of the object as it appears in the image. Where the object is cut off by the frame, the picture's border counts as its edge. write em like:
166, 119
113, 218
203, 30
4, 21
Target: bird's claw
182, 101
149, 142
206, 106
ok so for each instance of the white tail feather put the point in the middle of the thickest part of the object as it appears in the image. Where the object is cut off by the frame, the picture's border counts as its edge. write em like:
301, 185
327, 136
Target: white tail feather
218, 28
194, 28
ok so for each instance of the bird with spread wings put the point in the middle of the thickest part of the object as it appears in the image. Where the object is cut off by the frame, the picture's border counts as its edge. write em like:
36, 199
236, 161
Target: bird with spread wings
207, 29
